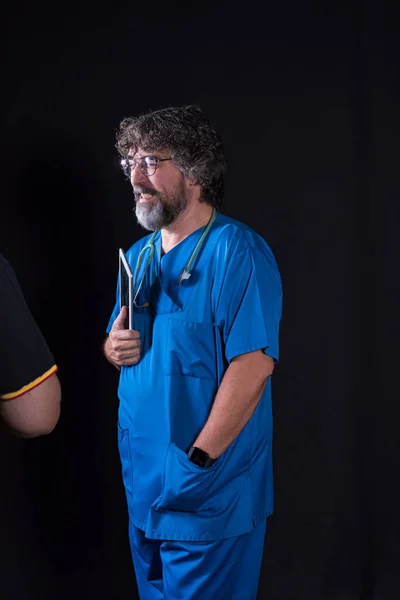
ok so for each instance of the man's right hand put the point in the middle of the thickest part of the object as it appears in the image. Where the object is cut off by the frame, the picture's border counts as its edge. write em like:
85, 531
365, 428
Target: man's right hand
122, 346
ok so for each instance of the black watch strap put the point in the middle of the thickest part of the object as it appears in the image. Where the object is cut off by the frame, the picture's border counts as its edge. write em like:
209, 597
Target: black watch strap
200, 458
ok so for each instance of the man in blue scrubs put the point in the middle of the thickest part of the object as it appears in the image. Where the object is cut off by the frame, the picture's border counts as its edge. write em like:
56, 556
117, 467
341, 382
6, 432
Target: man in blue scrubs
195, 414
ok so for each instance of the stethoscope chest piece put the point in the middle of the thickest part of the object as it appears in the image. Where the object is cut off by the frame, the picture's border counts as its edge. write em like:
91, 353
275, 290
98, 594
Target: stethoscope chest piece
184, 275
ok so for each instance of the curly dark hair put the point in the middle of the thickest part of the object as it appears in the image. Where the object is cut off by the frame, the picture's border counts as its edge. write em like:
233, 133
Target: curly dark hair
191, 138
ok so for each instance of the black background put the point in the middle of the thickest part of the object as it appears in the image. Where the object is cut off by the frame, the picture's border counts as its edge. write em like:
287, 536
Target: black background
306, 96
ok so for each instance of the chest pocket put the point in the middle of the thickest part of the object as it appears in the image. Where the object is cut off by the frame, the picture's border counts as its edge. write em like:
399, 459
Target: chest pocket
190, 349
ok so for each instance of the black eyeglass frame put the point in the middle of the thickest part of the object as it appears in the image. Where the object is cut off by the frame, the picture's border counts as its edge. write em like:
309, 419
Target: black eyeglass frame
128, 163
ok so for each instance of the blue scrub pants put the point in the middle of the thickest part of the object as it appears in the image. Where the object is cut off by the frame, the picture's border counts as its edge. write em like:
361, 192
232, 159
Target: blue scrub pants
223, 570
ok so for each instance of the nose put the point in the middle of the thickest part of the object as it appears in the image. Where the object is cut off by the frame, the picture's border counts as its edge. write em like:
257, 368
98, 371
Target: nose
137, 176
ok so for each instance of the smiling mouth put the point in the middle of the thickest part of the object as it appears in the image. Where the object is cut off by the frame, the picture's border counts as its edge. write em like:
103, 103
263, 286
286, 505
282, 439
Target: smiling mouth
144, 197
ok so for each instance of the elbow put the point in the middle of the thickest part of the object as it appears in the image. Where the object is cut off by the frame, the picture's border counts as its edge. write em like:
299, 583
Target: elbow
39, 425
265, 367
46, 419
48, 424
269, 365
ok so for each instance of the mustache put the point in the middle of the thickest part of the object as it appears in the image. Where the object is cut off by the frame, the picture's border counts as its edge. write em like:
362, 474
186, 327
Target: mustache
144, 190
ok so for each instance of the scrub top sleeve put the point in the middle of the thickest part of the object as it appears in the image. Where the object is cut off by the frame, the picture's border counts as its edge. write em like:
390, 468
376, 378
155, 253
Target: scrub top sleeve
249, 305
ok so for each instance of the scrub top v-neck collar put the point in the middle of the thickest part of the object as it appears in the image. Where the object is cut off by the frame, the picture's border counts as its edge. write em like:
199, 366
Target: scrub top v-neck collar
168, 269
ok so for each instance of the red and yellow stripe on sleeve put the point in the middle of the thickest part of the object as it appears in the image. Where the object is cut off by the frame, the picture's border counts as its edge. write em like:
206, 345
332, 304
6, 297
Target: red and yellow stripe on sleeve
30, 386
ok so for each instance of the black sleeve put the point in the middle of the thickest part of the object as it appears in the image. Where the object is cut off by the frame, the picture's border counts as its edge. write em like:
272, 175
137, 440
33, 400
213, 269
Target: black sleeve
25, 358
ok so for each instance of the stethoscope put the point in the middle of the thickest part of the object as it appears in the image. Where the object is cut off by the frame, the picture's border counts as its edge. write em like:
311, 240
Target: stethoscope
185, 274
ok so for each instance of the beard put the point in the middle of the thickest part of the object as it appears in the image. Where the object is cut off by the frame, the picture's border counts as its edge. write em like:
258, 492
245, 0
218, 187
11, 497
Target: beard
162, 210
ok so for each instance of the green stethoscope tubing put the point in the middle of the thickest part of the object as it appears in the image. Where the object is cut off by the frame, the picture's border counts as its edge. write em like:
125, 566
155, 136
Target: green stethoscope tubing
150, 246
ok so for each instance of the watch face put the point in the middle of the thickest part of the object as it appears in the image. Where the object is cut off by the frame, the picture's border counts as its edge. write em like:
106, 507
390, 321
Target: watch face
199, 457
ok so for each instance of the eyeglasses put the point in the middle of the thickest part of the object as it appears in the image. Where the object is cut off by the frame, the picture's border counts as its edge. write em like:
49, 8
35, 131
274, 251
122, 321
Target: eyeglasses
147, 164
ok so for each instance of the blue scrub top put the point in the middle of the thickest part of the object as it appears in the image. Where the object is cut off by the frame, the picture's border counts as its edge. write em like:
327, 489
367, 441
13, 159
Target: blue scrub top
230, 305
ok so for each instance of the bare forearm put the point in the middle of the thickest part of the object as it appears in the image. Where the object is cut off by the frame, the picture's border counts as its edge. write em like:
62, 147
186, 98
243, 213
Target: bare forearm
235, 402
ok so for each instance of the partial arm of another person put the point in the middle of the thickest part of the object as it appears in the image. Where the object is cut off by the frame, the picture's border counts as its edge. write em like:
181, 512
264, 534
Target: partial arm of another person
34, 413
30, 391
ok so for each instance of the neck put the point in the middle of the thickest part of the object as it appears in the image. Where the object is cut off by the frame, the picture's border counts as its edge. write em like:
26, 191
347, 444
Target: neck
194, 217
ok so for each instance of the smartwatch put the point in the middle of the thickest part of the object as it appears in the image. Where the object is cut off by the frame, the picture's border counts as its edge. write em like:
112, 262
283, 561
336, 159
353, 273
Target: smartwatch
200, 458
